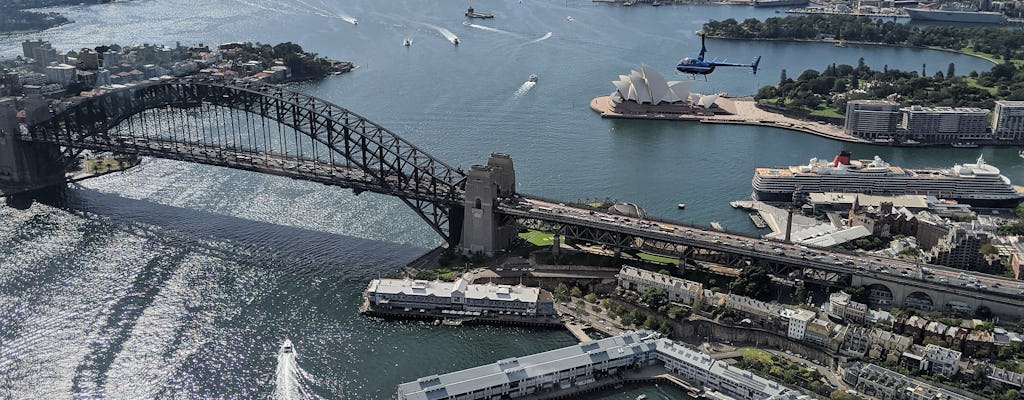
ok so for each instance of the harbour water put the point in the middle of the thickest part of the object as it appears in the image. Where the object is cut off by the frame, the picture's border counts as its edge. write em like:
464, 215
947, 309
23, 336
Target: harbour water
179, 280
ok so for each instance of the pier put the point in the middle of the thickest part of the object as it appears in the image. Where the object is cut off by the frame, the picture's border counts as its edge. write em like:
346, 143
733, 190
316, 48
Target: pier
739, 111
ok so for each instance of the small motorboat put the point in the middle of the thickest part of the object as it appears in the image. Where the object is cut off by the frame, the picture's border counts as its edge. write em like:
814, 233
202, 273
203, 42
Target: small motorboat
407, 42
656, 3
455, 41
681, 205
641, 397
1020, 154
286, 347
570, 18
532, 78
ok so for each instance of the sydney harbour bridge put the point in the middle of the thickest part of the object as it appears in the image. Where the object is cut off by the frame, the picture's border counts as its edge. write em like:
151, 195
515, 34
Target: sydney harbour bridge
271, 129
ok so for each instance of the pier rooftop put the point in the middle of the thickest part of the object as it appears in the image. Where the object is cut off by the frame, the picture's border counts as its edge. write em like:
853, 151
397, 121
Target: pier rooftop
591, 366
738, 111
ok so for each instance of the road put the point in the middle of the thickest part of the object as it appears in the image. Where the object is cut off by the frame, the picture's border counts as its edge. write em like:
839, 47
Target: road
897, 271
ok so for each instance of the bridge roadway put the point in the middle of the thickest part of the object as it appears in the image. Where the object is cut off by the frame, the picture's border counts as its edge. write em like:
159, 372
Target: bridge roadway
895, 271
292, 167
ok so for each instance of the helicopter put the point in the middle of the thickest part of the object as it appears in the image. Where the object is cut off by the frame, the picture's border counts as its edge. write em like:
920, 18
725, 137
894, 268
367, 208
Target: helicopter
698, 66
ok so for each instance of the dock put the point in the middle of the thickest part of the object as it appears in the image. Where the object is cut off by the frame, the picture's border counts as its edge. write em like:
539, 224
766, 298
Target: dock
578, 330
758, 221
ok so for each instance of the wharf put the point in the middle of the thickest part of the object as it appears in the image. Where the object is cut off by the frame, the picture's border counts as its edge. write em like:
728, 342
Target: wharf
436, 315
578, 330
740, 111
824, 11
758, 221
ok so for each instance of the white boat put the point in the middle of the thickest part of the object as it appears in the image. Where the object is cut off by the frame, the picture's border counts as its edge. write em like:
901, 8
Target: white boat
407, 42
570, 18
1020, 154
641, 397
681, 205
532, 78
286, 347
455, 41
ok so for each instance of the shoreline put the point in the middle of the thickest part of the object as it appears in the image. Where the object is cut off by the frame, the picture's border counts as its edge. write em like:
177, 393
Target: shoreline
741, 112
907, 46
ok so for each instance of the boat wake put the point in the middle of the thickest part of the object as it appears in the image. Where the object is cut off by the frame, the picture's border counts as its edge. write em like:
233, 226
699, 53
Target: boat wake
291, 381
446, 33
526, 86
327, 13
542, 38
489, 29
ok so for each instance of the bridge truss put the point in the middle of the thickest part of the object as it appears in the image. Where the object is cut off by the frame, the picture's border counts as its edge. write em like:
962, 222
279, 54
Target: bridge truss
264, 128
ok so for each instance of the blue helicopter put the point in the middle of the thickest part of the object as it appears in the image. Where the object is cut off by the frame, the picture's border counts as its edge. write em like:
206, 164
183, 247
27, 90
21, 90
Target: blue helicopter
698, 66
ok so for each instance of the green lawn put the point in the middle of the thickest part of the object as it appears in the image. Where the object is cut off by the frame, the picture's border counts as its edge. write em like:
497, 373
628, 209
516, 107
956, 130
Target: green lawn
538, 238
972, 82
991, 57
652, 257
826, 112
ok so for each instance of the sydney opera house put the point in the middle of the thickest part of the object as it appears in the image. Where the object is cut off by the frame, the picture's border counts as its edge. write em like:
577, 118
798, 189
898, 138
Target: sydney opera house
647, 91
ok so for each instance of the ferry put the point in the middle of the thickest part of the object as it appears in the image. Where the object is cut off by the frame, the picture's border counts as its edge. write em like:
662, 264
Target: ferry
978, 184
532, 78
474, 14
965, 145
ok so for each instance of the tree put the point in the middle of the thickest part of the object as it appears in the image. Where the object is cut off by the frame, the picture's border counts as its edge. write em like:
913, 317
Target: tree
591, 298
782, 77
983, 312
988, 249
576, 292
951, 71
800, 292
561, 292
654, 297
840, 395
650, 322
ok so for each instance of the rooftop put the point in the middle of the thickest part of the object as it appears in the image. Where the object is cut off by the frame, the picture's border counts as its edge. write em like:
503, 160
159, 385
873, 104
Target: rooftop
488, 291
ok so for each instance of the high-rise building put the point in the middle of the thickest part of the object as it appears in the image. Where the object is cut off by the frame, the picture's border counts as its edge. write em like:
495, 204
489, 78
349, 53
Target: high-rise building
945, 124
39, 50
61, 74
872, 119
1008, 121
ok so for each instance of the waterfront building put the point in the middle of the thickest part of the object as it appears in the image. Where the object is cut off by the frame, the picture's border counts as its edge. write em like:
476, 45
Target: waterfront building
590, 366
647, 86
61, 74
39, 51
1008, 121
877, 382
676, 289
945, 124
420, 296
872, 119
798, 321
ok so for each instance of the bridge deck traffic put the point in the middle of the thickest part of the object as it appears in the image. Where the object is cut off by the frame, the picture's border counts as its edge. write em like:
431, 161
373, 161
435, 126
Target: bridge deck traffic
961, 283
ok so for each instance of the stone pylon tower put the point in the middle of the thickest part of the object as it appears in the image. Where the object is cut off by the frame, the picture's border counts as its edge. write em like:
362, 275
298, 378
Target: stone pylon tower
487, 186
26, 166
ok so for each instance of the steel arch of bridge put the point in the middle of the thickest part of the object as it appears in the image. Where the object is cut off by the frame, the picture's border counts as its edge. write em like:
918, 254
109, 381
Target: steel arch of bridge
386, 163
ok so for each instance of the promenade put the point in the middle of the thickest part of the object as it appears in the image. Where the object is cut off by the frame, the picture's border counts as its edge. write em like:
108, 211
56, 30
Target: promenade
742, 111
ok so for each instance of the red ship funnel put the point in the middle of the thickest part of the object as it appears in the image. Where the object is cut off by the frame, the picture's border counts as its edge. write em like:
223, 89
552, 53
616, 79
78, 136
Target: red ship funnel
842, 158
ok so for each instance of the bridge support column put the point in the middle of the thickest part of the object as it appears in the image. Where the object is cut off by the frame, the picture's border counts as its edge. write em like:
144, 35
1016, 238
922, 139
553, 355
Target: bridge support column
486, 186
556, 245
26, 166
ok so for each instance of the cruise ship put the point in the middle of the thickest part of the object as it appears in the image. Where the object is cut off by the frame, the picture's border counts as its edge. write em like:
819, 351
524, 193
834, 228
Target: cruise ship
956, 14
778, 3
978, 184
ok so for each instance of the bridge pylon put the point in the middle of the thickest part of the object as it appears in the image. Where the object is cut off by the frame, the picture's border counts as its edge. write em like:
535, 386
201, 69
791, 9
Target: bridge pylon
26, 166
483, 231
